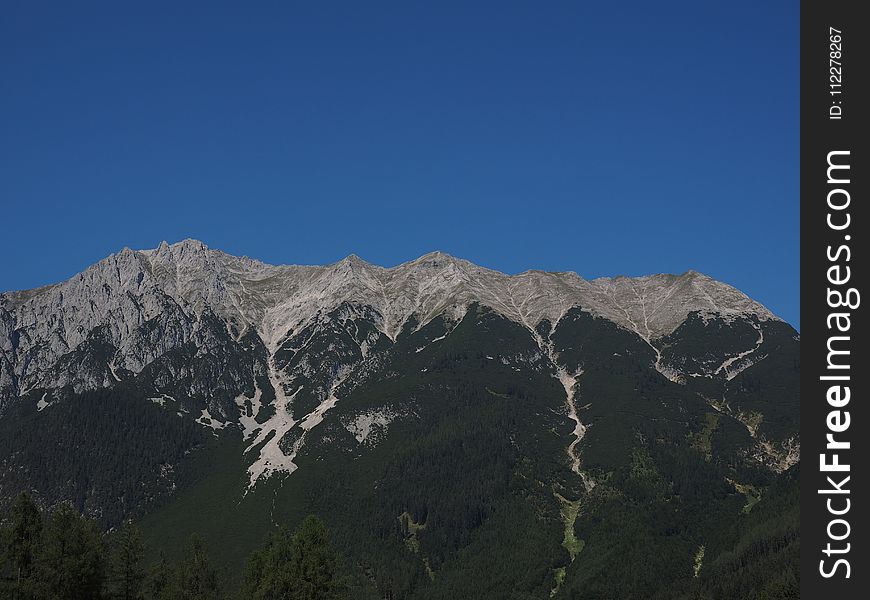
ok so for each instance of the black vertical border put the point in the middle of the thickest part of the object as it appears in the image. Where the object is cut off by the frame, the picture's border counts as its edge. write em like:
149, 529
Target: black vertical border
819, 136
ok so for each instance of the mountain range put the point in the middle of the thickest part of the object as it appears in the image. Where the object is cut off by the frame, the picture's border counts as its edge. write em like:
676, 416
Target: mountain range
465, 433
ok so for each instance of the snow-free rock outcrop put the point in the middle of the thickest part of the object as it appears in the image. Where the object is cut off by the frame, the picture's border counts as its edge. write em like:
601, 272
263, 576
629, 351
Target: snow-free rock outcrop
136, 306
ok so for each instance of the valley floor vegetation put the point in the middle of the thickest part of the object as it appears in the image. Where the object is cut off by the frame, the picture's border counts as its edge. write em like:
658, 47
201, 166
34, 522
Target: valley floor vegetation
62, 555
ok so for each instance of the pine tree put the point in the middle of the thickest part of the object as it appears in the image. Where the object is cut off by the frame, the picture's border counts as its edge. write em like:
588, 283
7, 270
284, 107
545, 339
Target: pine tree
268, 574
195, 578
71, 561
301, 567
22, 543
127, 571
158, 582
313, 562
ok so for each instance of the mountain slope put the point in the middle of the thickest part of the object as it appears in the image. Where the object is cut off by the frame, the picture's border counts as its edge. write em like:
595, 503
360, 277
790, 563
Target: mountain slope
448, 421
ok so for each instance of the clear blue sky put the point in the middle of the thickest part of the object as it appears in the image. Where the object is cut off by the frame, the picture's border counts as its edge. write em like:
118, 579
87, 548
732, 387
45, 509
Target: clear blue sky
603, 138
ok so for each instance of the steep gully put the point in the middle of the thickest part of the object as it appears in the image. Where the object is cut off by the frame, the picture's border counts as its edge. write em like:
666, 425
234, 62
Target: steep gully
272, 459
569, 383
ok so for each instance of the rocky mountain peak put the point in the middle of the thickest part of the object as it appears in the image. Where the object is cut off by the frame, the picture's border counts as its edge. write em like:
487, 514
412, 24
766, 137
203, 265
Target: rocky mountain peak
187, 279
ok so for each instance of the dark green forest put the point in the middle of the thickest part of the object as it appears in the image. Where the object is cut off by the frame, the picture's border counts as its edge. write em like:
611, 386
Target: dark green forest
62, 555
467, 494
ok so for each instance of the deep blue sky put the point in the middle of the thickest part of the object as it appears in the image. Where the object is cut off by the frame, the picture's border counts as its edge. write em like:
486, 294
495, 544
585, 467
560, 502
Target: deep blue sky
603, 138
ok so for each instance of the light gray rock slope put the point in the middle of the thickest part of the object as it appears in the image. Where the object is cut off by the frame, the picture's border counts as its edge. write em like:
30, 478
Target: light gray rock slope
181, 282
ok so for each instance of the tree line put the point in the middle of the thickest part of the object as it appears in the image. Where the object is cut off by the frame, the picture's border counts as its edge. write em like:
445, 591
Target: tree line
61, 555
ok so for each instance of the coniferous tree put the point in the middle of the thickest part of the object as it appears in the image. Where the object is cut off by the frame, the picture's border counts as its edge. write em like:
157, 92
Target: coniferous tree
301, 567
268, 573
314, 561
127, 571
195, 578
158, 581
71, 561
22, 543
